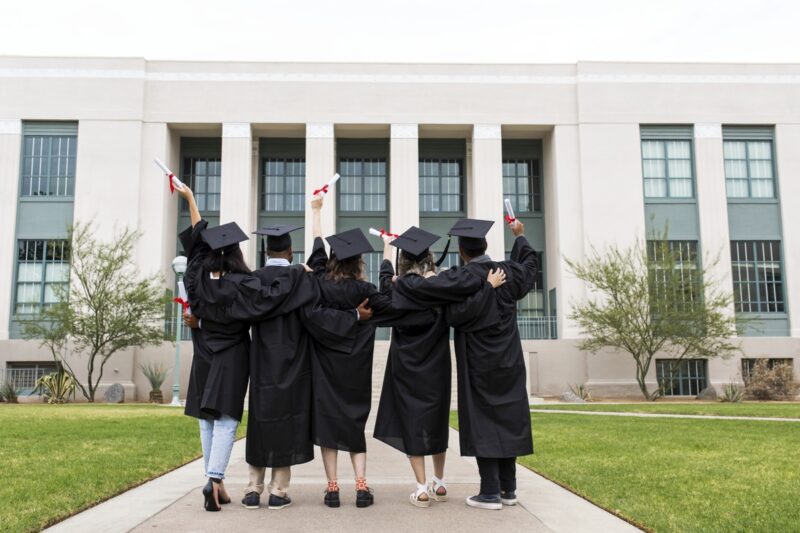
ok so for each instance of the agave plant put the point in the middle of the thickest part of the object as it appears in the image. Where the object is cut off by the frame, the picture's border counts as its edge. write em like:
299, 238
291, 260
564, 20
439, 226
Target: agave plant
57, 387
155, 373
731, 393
8, 392
582, 392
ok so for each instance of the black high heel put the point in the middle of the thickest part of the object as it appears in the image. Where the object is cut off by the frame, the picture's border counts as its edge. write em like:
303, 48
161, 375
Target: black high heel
210, 503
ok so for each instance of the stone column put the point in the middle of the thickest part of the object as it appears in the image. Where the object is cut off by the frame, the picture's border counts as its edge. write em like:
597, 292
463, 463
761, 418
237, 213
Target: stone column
787, 139
712, 204
10, 139
563, 221
237, 187
404, 177
320, 167
485, 185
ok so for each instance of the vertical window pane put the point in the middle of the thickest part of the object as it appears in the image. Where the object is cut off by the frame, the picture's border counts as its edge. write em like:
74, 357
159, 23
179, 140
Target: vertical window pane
48, 165
749, 169
521, 184
757, 277
363, 185
283, 184
42, 270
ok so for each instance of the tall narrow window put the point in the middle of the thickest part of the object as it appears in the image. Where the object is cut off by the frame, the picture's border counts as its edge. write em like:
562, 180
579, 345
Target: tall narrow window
283, 184
48, 165
757, 276
682, 256
749, 168
203, 174
522, 185
667, 168
440, 185
362, 186
42, 268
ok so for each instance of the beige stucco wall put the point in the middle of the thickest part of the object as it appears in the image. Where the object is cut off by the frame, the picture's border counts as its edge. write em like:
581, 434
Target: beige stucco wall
587, 116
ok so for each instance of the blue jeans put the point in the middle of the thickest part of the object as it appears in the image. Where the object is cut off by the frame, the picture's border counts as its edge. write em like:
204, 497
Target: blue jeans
217, 437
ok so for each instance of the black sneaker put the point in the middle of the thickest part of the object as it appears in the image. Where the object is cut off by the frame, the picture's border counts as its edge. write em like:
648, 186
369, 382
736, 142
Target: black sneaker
332, 498
508, 497
251, 500
364, 498
480, 501
277, 502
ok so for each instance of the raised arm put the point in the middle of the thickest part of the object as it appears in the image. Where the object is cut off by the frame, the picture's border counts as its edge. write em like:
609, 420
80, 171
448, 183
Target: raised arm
316, 217
523, 254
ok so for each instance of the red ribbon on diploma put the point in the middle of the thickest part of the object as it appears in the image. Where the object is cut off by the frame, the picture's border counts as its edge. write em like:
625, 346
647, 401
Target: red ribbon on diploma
171, 185
509, 219
385, 233
183, 302
323, 189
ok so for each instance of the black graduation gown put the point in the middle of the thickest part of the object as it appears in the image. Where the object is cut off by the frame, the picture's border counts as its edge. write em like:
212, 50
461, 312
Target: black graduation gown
279, 421
342, 382
414, 409
493, 409
218, 377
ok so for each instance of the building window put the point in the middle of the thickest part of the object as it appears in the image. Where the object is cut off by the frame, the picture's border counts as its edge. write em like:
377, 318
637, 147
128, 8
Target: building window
757, 277
362, 186
667, 168
48, 165
42, 268
283, 184
749, 168
24, 375
682, 378
522, 185
203, 174
749, 364
440, 185
684, 255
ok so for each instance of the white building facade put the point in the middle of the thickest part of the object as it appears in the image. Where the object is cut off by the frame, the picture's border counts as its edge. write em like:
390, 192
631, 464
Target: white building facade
590, 154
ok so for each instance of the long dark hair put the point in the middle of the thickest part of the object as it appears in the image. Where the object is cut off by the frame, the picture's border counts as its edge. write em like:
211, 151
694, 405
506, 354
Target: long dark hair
231, 260
350, 268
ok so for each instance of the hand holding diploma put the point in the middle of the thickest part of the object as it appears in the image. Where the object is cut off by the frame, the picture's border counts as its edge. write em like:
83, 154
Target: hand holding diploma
510, 218
174, 182
383, 234
322, 191
183, 298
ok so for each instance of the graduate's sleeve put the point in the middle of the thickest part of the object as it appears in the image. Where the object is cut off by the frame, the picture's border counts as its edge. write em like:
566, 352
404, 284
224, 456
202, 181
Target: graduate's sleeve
318, 259
254, 300
477, 312
196, 250
389, 315
335, 328
527, 261
219, 337
450, 286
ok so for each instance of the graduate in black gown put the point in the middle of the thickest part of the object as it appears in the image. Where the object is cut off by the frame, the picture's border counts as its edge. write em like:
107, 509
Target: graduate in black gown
493, 409
342, 383
414, 408
279, 421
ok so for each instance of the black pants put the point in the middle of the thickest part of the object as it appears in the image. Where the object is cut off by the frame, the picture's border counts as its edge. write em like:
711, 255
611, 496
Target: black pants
497, 475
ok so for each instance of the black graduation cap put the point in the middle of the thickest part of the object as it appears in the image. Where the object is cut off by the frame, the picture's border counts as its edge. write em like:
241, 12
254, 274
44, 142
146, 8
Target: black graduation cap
415, 242
349, 244
471, 233
278, 238
224, 236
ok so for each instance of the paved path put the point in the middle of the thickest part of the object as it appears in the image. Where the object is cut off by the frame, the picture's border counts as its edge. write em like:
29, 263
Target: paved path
663, 415
173, 503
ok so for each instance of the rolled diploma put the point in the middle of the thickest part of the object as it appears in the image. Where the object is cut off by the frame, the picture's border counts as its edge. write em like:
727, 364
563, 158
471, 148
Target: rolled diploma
178, 184
509, 209
183, 295
373, 231
333, 180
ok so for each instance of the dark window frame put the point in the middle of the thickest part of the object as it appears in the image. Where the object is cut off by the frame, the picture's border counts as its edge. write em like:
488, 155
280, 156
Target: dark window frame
689, 376
534, 179
45, 252
285, 179
740, 264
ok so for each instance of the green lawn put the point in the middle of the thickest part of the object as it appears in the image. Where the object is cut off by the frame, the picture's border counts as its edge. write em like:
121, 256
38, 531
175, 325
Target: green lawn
763, 409
57, 460
676, 475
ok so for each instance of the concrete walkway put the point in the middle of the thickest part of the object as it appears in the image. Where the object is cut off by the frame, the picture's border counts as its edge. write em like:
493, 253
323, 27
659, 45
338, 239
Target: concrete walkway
173, 502
663, 415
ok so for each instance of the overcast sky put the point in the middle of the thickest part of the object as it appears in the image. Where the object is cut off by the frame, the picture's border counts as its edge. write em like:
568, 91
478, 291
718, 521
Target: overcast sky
495, 31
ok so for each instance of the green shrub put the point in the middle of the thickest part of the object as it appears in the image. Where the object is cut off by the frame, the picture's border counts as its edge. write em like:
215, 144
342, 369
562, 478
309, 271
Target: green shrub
8, 392
582, 392
775, 383
731, 393
57, 387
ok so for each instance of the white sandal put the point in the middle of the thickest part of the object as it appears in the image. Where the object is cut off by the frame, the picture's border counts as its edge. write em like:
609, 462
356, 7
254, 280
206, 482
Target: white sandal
434, 487
415, 501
